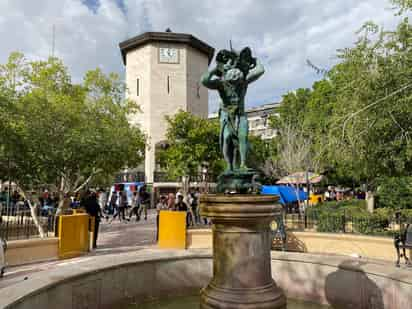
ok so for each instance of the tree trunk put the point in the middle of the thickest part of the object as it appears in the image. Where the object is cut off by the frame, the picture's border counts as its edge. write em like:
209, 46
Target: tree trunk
61, 199
370, 201
33, 212
185, 185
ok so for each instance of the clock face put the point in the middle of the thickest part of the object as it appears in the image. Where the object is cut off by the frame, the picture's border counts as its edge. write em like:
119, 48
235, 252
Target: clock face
168, 55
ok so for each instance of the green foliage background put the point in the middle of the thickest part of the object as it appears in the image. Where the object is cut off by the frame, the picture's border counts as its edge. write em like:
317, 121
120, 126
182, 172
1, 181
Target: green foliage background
358, 117
59, 133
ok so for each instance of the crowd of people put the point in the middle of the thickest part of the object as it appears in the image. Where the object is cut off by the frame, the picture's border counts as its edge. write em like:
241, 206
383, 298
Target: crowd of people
117, 206
114, 205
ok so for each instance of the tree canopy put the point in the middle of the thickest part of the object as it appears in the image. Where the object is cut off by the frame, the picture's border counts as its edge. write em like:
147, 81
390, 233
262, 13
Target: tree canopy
192, 141
358, 117
60, 133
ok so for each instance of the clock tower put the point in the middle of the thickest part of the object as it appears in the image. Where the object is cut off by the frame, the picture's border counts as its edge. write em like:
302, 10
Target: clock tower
163, 71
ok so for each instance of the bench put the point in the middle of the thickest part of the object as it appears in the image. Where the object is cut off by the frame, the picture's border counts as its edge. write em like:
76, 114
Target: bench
403, 241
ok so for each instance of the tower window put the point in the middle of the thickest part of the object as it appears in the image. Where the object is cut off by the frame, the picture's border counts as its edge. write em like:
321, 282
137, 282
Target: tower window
137, 87
198, 90
168, 84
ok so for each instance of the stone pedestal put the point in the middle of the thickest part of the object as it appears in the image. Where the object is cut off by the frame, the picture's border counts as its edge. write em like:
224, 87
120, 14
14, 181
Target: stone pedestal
242, 277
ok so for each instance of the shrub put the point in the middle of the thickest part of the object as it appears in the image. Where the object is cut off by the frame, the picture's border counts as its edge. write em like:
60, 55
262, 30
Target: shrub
395, 193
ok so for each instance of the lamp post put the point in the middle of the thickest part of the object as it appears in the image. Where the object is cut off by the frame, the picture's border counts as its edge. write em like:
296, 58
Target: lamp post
205, 166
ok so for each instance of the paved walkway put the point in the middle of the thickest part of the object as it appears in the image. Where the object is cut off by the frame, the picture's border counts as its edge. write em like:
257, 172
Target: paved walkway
124, 236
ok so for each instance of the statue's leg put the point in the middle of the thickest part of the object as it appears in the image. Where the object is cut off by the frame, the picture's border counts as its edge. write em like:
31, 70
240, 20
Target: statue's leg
243, 140
227, 150
235, 158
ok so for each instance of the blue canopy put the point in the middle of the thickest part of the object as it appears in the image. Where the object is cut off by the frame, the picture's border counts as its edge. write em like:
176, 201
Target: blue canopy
287, 194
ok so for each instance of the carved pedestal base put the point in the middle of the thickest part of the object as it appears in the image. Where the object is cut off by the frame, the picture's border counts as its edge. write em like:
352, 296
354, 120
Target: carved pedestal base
238, 181
242, 277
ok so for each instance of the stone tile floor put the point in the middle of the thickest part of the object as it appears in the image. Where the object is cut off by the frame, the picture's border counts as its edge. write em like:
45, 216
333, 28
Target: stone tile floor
118, 236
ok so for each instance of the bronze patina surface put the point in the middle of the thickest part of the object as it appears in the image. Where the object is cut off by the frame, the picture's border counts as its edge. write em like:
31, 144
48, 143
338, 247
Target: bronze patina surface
242, 277
231, 77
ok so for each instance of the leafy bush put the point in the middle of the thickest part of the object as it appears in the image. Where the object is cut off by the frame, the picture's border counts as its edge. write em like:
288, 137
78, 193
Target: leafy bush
351, 207
333, 217
395, 193
330, 223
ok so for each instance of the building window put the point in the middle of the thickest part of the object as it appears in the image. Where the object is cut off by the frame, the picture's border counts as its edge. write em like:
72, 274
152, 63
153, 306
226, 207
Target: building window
137, 87
198, 90
168, 84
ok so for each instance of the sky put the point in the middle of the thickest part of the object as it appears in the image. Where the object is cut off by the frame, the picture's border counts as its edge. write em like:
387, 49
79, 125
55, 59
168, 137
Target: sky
283, 34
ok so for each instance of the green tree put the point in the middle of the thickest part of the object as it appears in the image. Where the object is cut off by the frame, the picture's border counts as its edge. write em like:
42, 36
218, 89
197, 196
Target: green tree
395, 193
263, 157
372, 115
402, 5
64, 134
192, 141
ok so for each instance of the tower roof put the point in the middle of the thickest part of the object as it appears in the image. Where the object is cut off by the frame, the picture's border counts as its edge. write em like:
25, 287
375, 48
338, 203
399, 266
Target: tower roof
167, 37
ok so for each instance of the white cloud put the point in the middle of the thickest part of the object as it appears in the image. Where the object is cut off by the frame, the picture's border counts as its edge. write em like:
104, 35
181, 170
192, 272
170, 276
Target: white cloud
284, 34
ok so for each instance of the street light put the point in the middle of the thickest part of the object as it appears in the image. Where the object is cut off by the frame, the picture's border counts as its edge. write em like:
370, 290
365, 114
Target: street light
205, 166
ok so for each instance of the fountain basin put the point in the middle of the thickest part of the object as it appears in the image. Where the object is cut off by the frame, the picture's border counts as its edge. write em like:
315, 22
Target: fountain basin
193, 302
120, 279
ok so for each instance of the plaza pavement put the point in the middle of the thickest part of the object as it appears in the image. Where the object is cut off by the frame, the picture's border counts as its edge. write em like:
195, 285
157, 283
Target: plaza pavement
115, 237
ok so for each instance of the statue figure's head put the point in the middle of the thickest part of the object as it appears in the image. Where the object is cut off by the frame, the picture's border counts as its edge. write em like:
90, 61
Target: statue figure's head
228, 60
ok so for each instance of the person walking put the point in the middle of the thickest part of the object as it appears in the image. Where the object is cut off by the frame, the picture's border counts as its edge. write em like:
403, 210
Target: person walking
93, 209
182, 206
113, 203
135, 206
102, 198
162, 205
194, 203
121, 206
144, 201
171, 202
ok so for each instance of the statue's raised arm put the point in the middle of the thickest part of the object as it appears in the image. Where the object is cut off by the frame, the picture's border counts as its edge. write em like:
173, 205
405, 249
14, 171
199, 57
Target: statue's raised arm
211, 80
256, 72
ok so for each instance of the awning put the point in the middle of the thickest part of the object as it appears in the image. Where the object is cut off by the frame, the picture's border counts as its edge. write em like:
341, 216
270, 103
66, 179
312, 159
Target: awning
286, 194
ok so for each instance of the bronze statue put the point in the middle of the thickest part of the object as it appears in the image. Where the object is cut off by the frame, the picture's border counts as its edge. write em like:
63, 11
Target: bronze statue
231, 76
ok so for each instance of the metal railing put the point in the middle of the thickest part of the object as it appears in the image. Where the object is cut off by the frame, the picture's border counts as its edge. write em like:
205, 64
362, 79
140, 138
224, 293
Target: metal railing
130, 177
16, 221
198, 178
343, 223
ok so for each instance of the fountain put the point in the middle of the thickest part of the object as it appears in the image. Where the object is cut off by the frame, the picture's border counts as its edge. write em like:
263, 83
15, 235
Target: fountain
242, 262
242, 276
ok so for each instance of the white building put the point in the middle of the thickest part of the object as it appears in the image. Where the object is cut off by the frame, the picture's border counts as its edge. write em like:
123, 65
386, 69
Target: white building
258, 119
163, 71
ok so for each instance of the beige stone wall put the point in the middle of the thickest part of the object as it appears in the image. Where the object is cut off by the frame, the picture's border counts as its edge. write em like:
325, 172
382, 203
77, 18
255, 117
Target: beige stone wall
113, 281
342, 244
164, 103
197, 100
308, 242
154, 98
31, 250
139, 67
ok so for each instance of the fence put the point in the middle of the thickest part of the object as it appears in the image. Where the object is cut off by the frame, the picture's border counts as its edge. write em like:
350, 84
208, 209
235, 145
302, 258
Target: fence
198, 178
342, 223
16, 221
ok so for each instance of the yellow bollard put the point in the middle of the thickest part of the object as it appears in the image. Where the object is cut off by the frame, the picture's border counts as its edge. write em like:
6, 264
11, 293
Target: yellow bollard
73, 235
172, 230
